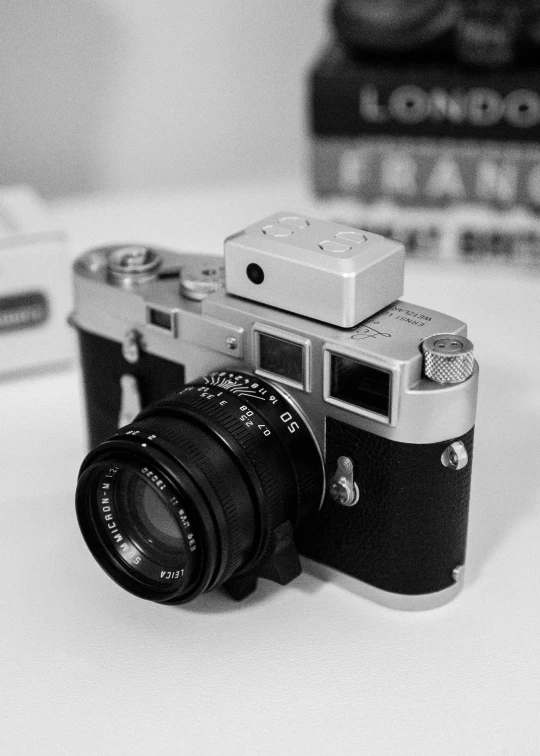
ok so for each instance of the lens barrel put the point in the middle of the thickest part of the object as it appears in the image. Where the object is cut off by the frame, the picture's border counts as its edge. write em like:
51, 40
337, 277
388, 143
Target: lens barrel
191, 494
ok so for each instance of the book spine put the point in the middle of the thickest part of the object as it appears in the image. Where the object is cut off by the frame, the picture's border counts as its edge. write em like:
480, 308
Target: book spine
356, 99
507, 236
436, 173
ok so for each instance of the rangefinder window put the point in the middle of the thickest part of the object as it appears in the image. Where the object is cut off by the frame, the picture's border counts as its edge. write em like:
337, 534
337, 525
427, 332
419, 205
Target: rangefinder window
282, 359
360, 385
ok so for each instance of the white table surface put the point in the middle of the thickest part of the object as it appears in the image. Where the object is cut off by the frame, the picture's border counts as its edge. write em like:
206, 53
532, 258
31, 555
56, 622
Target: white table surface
308, 669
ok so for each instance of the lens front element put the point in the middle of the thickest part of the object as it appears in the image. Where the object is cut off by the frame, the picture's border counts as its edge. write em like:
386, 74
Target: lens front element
147, 510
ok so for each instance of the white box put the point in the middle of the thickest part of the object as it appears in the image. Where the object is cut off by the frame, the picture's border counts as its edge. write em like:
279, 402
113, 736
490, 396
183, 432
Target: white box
35, 291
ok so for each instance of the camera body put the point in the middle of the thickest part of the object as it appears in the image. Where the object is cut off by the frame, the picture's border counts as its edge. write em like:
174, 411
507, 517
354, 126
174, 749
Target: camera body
396, 444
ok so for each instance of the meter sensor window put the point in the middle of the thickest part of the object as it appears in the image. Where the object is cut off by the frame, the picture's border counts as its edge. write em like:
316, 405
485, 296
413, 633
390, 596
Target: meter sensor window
361, 385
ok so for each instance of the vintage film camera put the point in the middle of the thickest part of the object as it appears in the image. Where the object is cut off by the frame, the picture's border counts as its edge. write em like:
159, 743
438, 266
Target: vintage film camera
331, 419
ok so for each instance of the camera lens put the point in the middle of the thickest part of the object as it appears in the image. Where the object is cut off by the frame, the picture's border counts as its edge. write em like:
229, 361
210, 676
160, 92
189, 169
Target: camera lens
189, 494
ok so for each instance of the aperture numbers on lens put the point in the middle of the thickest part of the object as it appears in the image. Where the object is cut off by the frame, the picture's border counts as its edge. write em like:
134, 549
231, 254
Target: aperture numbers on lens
219, 385
240, 385
251, 419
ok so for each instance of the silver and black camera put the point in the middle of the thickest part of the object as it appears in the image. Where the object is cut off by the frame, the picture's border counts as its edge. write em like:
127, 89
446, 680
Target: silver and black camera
284, 403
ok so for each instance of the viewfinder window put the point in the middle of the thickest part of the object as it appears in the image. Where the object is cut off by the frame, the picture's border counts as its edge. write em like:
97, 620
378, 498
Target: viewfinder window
281, 358
361, 385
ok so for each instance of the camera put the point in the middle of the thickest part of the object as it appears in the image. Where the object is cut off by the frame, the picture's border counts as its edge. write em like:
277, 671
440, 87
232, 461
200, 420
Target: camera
277, 402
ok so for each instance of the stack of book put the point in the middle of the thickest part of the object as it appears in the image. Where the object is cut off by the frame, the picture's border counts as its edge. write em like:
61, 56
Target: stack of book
444, 157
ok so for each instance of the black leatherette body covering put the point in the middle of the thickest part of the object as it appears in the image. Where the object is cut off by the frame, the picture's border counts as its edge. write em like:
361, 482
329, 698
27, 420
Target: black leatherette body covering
408, 530
103, 365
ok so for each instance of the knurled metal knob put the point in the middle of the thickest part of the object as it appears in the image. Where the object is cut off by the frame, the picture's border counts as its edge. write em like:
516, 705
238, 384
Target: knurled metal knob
448, 358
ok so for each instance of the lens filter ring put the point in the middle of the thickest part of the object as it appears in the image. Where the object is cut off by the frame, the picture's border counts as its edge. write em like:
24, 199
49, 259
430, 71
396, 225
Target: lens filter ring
121, 525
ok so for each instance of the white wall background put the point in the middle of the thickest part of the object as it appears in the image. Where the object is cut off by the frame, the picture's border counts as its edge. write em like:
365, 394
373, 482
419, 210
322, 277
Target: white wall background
131, 94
